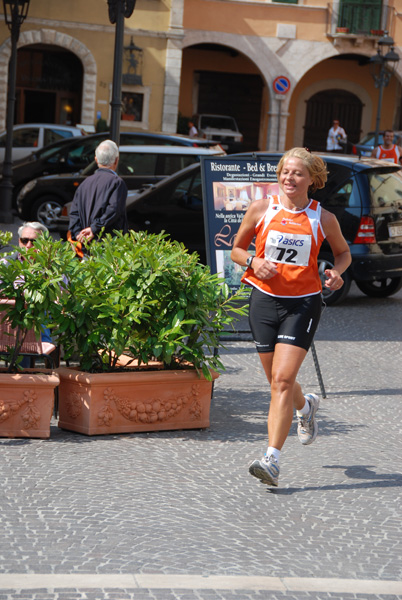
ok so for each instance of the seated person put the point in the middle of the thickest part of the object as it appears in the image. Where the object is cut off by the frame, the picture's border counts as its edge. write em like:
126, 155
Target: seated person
27, 234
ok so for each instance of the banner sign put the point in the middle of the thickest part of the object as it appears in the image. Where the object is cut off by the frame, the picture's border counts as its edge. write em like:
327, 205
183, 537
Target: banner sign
229, 186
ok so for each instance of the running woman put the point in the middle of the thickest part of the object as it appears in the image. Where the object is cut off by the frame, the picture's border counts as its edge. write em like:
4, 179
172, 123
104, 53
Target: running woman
286, 299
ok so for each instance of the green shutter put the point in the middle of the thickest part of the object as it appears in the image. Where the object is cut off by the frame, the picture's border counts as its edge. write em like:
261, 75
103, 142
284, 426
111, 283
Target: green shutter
360, 16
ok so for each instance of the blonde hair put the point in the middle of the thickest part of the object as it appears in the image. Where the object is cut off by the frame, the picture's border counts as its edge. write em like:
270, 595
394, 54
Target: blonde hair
316, 167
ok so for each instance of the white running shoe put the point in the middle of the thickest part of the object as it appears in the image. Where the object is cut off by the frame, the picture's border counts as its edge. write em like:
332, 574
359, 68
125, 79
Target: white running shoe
307, 426
266, 469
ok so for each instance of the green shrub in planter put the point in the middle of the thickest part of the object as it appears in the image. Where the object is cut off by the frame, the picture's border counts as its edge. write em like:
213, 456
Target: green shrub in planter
146, 296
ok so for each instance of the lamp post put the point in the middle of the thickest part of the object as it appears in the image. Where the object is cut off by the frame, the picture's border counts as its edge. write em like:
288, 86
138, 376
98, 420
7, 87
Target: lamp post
118, 10
381, 75
15, 13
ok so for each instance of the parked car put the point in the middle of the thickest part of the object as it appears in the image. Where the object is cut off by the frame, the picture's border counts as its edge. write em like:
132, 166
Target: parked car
221, 128
72, 155
42, 199
366, 144
29, 137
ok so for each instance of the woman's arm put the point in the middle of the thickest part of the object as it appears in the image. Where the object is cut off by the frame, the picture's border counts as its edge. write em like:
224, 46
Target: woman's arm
264, 269
339, 248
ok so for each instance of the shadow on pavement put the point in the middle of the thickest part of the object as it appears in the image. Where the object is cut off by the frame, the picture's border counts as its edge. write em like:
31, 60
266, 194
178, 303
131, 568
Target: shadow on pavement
376, 480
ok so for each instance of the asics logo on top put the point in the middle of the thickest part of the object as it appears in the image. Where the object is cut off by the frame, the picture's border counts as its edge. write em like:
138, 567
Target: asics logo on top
290, 242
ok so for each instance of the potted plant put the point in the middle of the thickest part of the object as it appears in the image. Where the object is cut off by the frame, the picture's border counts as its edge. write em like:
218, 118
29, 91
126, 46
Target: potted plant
342, 30
142, 318
29, 290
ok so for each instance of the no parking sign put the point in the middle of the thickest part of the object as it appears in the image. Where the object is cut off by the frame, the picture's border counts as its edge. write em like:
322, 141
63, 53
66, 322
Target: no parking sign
281, 85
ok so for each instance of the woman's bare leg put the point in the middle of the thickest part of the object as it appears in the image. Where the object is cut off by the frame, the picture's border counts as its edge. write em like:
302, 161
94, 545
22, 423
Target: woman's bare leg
281, 368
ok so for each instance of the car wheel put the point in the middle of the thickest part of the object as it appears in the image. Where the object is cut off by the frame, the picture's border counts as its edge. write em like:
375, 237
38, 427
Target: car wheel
46, 210
380, 288
326, 261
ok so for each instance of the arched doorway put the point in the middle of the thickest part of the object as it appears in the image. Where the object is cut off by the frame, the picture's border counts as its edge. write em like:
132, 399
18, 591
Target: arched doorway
49, 85
236, 94
322, 108
218, 79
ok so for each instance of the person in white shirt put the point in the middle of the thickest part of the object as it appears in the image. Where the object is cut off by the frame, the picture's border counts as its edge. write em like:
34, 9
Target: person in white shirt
192, 130
335, 135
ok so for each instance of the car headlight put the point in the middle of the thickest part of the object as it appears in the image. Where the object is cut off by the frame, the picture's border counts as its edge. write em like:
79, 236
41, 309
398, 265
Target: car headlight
28, 187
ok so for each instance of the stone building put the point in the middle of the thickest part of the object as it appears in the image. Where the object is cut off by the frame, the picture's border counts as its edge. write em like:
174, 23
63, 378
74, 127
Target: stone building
283, 69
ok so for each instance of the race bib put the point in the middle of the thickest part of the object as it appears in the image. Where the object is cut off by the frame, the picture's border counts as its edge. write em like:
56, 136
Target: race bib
288, 248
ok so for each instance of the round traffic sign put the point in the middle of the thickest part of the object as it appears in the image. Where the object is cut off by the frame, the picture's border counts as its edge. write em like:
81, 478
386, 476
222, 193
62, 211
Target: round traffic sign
281, 85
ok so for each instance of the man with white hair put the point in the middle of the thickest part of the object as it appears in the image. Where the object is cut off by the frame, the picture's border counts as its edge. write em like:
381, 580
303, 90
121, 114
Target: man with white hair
100, 201
27, 234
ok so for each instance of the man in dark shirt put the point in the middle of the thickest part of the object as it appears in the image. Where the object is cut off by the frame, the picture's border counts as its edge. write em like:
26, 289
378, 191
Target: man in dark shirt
100, 201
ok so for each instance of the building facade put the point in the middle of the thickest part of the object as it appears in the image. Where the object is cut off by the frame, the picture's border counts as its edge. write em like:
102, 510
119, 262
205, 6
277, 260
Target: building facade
283, 69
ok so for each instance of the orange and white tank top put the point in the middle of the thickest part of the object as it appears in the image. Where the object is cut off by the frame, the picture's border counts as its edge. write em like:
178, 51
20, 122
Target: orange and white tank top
292, 240
392, 154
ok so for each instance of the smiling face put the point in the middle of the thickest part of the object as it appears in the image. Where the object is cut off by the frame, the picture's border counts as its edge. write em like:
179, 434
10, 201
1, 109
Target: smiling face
388, 138
295, 179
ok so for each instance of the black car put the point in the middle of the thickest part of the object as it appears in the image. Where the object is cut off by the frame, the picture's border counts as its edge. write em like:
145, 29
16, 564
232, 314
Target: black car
42, 199
365, 195
73, 154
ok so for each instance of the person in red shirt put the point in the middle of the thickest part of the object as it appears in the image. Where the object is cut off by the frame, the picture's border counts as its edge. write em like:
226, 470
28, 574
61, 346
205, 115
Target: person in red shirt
388, 150
286, 297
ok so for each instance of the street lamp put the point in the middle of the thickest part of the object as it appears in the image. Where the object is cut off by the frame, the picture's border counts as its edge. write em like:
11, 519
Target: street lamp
15, 13
380, 73
118, 10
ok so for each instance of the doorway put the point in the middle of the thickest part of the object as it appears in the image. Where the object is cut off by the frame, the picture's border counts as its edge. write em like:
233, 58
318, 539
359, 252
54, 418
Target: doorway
238, 95
49, 85
39, 107
325, 106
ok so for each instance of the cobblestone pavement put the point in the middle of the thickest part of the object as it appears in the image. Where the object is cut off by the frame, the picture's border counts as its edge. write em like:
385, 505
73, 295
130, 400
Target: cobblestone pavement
175, 515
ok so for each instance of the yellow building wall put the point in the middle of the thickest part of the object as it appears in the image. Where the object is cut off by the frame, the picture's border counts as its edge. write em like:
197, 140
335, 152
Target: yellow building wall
153, 15
254, 19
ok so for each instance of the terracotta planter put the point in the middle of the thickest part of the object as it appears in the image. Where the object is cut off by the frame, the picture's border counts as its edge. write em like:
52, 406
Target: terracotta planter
135, 401
342, 30
26, 403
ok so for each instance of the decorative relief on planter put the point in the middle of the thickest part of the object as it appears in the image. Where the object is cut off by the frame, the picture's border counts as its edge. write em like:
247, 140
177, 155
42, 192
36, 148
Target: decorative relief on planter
133, 401
155, 410
30, 417
73, 405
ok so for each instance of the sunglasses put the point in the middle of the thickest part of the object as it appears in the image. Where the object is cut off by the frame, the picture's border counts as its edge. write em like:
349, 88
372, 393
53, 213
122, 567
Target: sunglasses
24, 241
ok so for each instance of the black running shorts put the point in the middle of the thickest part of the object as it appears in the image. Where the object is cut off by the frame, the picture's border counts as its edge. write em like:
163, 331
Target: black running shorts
283, 320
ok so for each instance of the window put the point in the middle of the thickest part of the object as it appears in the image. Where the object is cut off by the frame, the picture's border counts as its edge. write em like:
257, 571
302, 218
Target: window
82, 154
360, 16
23, 138
132, 106
135, 106
136, 163
54, 135
171, 163
385, 190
